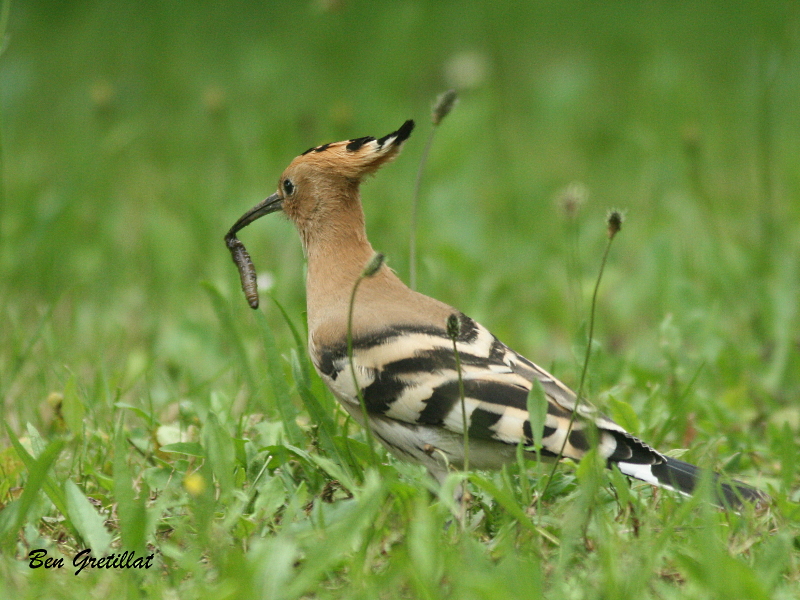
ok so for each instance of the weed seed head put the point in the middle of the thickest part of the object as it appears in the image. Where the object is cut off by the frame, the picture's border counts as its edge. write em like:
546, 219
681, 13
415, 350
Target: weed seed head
444, 104
571, 198
453, 326
614, 222
374, 264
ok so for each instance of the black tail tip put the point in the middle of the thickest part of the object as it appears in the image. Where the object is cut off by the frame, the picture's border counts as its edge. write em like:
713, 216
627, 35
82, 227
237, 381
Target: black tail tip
735, 494
685, 477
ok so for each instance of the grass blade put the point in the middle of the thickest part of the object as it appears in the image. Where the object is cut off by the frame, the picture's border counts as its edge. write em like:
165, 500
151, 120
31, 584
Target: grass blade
229, 331
90, 525
130, 509
221, 454
35, 468
280, 389
298, 340
37, 479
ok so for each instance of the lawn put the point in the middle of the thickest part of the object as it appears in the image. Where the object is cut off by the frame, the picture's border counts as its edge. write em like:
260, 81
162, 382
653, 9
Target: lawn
147, 409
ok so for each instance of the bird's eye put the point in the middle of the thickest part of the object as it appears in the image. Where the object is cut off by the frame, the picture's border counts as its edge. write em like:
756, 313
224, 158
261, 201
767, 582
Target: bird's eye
288, 187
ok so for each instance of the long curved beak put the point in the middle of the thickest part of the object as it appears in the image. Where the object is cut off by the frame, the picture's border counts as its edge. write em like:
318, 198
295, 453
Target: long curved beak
270, 205
241, 257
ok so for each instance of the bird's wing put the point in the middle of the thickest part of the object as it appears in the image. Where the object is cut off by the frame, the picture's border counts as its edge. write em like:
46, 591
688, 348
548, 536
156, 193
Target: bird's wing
408, 373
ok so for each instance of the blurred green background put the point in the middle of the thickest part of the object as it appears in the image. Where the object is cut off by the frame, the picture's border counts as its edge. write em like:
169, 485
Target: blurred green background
134, 133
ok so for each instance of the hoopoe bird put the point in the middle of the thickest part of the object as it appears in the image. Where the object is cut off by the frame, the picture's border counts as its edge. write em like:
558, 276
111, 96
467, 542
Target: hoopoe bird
404, 364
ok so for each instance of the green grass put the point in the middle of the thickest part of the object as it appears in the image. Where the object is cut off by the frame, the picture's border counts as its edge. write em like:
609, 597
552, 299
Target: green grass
148, 409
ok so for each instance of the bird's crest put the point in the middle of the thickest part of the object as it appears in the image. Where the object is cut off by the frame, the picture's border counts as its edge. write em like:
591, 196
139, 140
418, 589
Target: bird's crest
357, 157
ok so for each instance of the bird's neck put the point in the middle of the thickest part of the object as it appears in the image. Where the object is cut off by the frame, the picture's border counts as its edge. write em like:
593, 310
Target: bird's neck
336, 259
337, 253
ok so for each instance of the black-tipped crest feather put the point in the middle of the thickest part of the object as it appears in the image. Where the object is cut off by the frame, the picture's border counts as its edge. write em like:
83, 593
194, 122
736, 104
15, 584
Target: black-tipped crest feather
400, 136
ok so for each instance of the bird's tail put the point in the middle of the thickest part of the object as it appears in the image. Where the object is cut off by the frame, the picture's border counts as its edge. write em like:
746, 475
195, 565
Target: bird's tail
683, 477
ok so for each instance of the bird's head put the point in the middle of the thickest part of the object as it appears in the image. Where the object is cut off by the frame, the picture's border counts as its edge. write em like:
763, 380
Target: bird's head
319, 192
324, 178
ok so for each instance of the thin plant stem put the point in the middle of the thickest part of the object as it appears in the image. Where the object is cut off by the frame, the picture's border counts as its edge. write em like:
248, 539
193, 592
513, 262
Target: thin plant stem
453, 330
372, 267
412, 252
441, 108
613, 229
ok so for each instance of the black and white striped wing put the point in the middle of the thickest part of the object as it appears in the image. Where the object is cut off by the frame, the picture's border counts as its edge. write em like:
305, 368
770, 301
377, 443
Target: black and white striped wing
408, 374
409, 381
